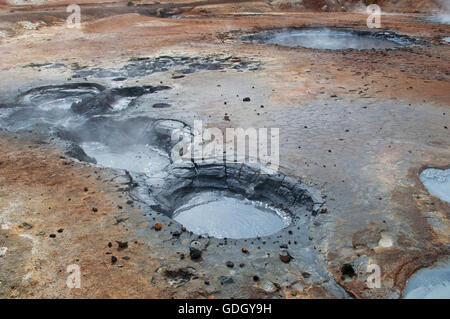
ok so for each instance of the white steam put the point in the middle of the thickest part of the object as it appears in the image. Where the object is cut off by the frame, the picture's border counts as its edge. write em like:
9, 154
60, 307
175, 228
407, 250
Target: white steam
442, 17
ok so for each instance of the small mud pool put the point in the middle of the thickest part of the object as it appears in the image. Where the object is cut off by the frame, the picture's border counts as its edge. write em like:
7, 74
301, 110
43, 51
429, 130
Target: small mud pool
328, 39
213, 214
430, 283
437, 182
135, 158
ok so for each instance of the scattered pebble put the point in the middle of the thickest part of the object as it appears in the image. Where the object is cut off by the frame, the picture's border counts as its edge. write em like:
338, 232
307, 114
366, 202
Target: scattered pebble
122, 244
195, 250
285, 256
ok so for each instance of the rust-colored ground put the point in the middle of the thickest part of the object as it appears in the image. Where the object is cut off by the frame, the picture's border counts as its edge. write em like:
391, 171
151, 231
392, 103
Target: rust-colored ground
46, 191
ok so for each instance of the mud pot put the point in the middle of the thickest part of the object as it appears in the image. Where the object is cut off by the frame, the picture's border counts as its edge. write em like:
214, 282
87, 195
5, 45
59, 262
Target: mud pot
332, 39
92, 123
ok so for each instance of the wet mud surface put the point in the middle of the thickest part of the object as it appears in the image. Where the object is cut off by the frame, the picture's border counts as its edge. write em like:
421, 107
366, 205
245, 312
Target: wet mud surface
87, 177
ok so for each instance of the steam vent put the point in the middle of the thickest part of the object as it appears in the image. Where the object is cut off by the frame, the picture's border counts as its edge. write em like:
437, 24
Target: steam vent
225, 150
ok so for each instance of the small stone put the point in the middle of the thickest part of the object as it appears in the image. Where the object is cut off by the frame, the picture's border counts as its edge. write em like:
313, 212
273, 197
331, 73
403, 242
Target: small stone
113, 260
94, 209
161, 105
285, 256
183, 228
206, 282
122, 244
255, 278
176, 234
269, 286
195, 250
225, 280
246, 99
85, 189
52, 236
25, 226
126, 258
158, 226
60, 230
229, 264
109, 244
306, 275
244, 250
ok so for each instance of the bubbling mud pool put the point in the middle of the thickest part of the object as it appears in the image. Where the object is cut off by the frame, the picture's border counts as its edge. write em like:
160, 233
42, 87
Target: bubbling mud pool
135, 158
97, 124
213, 214
329, 39
437, 182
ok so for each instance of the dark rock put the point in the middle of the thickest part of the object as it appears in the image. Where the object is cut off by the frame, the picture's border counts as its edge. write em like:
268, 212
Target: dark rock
285, 256
161, 105
120, 220
229, 264
122, 244
75, 151
52, 236
225, 280
246, 99
94, 209
195, 250
113, 260
25, 225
